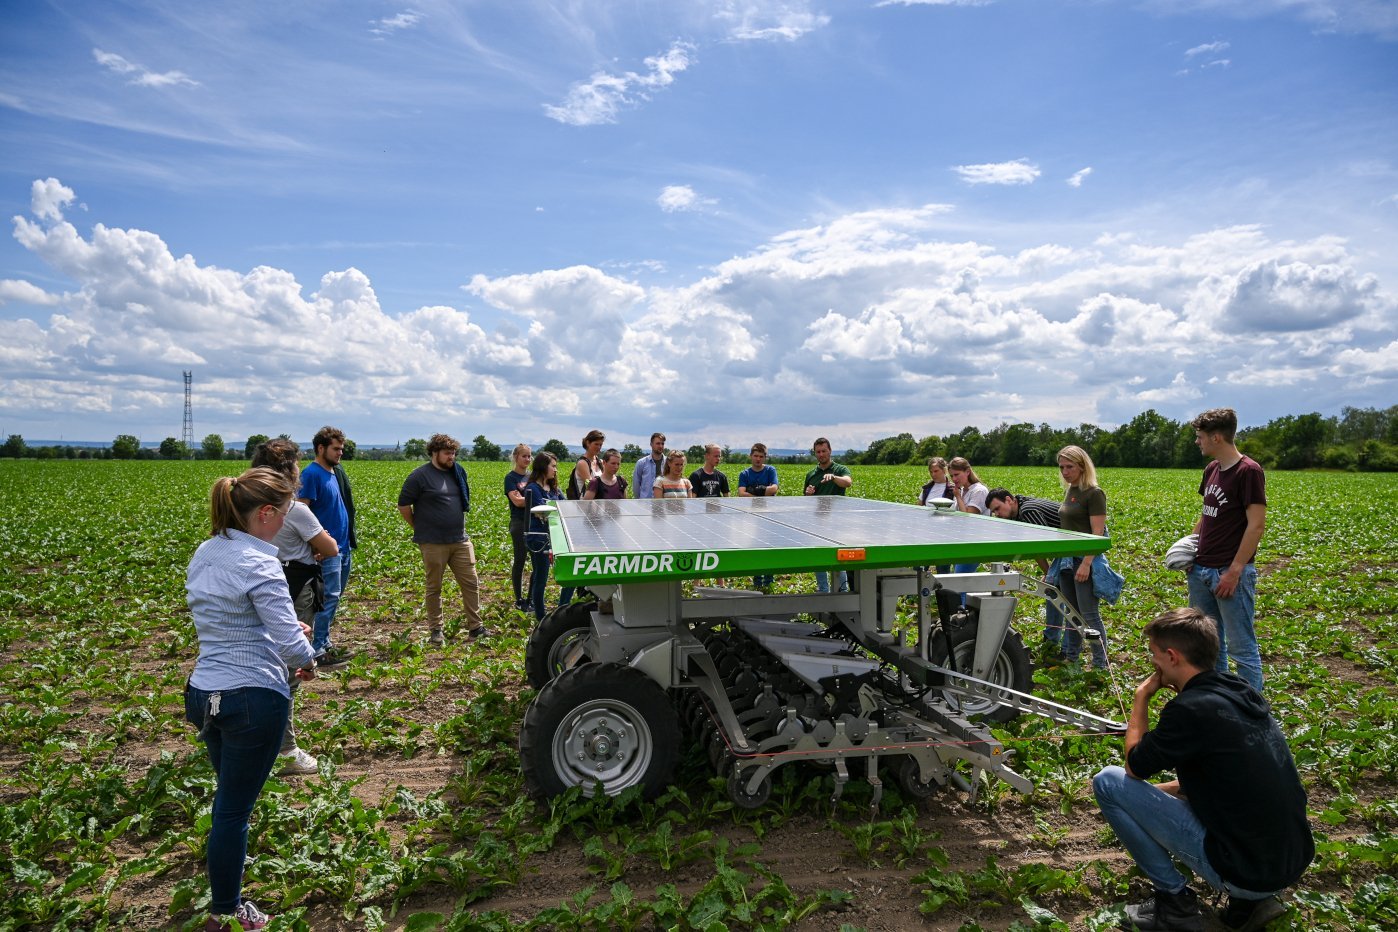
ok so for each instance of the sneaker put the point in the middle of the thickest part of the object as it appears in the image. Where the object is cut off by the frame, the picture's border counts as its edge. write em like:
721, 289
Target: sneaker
1166, 912
476, 634
297, 763
1251, 915
247, 916
437, 638
523, 605
332, 658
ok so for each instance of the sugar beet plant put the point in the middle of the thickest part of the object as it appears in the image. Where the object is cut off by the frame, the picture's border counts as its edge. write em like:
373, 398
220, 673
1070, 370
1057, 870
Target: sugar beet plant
417, 818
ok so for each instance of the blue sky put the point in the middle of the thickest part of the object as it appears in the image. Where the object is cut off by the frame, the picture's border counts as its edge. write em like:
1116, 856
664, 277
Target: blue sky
733, 220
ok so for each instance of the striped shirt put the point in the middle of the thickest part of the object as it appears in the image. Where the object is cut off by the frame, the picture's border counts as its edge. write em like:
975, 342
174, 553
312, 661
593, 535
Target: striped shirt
248, 633
1040, 511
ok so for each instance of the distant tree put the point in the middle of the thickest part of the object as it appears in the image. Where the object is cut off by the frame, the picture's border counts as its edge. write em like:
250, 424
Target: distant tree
1016, 445
415, 449
964, 442
252, 443
695, 454
631, 453
14, 446
125, 447
351, 449
172, 449
212, 447
558, 448
483, 449
928, 447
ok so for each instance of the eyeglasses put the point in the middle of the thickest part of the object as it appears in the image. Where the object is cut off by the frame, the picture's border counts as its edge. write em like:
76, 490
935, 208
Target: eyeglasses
290, 503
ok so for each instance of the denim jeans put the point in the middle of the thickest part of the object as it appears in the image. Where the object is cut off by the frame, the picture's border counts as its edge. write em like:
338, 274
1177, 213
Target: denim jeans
823, 581
1082, 597
460, 557
539, 581
1153, 825
242, 741
1053, 625
334, 574
1236, 636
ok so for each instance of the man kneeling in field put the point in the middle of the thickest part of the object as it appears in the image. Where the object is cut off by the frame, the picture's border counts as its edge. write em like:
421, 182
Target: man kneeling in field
1237, 812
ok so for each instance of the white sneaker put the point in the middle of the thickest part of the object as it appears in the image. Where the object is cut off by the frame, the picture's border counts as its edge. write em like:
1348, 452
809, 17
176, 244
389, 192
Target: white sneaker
298, 763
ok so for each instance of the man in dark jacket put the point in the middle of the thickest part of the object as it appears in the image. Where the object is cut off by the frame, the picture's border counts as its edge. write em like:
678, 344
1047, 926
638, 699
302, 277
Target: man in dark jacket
1237, 812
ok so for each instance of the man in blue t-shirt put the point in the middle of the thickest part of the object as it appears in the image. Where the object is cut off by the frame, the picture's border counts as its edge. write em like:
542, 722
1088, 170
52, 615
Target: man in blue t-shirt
758, 481
320, 490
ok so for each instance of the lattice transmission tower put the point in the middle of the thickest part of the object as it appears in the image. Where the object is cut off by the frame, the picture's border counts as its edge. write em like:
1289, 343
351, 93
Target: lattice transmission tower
187, 435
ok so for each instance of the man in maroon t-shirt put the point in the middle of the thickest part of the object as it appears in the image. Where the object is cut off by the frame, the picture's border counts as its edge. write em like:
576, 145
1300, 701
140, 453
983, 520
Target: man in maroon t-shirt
1223, 580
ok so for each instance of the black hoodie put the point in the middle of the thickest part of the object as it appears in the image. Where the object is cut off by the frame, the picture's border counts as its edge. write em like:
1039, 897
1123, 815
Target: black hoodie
1235, 769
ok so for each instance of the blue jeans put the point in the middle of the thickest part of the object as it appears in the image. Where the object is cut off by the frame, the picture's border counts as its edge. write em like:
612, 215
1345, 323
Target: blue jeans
1154, 826
1236, 636
823, 581
1082, 597
1053, 625
334, 575
539, 582
242, 741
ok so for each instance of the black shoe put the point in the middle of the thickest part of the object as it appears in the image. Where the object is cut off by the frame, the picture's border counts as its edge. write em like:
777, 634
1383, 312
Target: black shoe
1251, 915
332, 658
475, 634
1166, 912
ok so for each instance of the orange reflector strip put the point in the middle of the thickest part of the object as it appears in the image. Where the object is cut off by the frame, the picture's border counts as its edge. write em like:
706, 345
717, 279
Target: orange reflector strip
846, 555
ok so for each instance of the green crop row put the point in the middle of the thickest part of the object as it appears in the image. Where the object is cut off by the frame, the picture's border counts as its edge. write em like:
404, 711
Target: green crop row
105, 794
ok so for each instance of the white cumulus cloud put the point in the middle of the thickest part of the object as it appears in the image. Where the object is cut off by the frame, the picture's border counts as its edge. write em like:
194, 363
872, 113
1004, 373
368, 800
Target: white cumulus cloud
391, 24
934, 3
1208, 48
47, 198
600, 98
1020, 171
758, 20
679, 197
25, 292
140, 75
869, 317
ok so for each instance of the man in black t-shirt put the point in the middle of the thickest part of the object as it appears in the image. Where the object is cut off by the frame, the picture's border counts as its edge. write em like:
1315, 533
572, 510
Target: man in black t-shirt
1236, 814
434, 500
707, 481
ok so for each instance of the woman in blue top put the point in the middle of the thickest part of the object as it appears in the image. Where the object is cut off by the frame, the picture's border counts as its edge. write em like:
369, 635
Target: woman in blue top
515, 481
237, 695
541, 489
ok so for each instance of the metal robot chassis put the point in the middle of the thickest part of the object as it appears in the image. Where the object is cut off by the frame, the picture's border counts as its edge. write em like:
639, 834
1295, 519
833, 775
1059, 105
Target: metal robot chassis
624, 681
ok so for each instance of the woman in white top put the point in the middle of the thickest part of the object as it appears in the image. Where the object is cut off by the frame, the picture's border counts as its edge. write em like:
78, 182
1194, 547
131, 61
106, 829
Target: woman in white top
969, 493
940, 484
237, 696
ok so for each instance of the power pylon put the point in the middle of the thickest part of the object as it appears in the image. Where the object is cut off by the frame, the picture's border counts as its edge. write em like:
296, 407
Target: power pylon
187, 435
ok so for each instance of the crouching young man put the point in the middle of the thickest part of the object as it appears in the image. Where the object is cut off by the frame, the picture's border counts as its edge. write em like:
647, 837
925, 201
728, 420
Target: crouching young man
1236, 815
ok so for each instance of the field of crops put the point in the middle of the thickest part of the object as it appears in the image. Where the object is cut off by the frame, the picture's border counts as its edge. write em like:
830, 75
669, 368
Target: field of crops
418, 820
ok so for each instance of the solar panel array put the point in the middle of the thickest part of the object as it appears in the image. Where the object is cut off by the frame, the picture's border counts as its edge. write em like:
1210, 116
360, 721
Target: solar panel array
639, 526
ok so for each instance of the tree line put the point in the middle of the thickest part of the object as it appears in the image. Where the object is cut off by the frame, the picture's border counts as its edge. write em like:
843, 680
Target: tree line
1363, 439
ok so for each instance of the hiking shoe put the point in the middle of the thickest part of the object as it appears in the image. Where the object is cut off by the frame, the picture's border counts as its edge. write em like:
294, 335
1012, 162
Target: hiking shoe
332, 658
476, 634
1166, 912
1251, 915
247, 916
437, 638
297, 763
